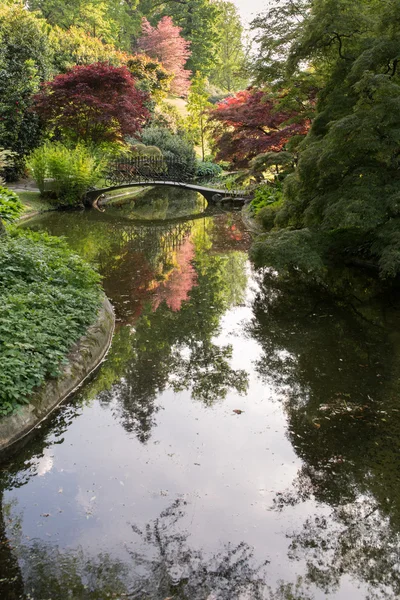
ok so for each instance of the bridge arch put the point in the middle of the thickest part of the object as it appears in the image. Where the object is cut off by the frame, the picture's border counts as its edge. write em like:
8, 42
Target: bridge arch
153, 171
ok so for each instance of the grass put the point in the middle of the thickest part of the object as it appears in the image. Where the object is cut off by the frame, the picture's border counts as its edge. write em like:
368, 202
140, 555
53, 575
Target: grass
33, 203
180, 104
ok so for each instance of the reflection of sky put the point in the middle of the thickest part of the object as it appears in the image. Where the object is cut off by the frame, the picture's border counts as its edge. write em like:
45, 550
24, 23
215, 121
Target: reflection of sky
227, 467
95, 480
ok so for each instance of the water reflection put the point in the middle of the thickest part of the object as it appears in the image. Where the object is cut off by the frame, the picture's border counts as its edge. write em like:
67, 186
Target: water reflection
160, 203
335, 362
160, 564
293, 496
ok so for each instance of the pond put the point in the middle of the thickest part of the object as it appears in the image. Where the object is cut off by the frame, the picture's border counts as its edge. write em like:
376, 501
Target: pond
241, 440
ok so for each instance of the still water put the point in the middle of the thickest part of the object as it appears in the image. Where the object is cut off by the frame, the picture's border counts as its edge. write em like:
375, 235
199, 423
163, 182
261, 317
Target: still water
241, 441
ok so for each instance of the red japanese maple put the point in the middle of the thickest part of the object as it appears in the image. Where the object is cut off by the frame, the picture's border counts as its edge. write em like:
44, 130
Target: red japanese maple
96, 102
165, 43
249, 124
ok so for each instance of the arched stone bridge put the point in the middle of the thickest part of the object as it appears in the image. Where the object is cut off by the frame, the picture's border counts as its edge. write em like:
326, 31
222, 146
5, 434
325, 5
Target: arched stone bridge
149, 171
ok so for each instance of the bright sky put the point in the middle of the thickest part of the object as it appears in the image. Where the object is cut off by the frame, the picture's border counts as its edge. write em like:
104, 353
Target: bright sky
250, 8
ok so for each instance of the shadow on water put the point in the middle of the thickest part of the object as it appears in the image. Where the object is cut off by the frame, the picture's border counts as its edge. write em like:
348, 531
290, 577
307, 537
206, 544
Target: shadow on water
335, 360
298, 498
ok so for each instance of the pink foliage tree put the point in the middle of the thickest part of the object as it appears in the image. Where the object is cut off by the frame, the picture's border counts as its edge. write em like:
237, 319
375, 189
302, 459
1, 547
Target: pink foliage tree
177, 288
165, 43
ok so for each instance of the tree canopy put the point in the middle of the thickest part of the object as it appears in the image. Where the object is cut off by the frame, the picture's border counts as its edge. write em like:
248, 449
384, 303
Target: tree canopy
251, 123
165, 43
345, 189
95, 103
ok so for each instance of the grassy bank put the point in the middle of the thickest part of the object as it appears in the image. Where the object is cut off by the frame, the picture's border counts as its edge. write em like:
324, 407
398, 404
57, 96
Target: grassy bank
48, 298
33, 203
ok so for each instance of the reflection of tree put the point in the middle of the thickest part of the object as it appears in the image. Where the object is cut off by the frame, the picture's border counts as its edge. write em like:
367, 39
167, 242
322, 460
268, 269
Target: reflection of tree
177, 348
161, 565
11, 584
14, 474
164, 203
166, 280
335, 364
172, 568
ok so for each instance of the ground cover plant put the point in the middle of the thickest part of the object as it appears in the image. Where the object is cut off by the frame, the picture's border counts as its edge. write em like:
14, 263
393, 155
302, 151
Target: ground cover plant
48, 298
11, 207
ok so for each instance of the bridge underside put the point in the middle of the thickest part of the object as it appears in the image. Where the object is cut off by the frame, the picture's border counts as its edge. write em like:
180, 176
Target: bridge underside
212, 195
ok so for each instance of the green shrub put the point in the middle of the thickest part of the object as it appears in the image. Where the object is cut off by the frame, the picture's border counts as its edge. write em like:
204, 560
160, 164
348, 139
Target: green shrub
207, 169
65, 173
267, 214
266, 204
10, 205
48, 298
265, 194
172, 145
291, 252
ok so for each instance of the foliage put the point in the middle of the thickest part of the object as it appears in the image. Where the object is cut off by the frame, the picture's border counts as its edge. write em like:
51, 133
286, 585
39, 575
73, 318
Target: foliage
251, 123
267, 200
94, 103
76, 46
25, 60
346, 183
278, 164
70, 172
165, 43
150, 74
290, 251
6, 160
10, 205
198, 20
277, 32
229, 74
207, 169
167, 116
49, 296
113, 22
172, 145
197, 106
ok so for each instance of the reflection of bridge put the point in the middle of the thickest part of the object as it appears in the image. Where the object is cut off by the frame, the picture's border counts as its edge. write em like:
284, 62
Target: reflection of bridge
149, 171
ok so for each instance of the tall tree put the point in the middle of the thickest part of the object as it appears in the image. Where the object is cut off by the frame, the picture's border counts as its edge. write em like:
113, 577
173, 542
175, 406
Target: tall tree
113, 22
199, 22
25, 60
229, 74
197, 106
96, 103
165, 43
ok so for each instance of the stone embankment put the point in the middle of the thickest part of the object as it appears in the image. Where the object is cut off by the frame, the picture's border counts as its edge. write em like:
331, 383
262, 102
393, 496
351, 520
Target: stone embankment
83, 359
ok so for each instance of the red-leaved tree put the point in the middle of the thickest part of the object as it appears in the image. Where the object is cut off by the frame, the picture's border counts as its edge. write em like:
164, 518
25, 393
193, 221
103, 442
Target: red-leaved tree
165, 43
250, 123
96, 102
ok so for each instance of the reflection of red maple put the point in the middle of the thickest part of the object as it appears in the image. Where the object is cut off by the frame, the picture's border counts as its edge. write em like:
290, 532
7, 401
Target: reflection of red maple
176, 289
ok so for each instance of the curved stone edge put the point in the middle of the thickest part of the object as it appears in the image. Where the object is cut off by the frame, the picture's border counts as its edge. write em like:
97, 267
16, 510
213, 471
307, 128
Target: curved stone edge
84, 358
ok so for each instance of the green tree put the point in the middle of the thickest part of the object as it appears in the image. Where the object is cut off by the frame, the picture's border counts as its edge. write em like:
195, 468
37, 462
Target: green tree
345, 189
113, 22
197, 106
229, 75
25, 60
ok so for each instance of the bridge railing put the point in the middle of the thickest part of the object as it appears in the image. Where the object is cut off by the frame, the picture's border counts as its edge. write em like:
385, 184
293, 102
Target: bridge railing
147, 169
